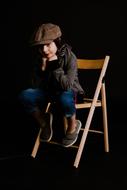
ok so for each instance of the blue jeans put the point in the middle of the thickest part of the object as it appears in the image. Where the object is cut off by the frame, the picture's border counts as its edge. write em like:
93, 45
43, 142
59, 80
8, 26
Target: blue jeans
34, 99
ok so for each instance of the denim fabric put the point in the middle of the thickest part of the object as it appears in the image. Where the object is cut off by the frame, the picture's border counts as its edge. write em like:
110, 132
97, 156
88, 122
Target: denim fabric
34, 99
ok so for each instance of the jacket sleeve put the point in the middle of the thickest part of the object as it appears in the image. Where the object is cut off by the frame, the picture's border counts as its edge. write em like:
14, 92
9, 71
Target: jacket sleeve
66, 77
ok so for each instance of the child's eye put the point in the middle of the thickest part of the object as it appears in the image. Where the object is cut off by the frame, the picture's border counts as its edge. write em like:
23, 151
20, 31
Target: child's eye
49, 44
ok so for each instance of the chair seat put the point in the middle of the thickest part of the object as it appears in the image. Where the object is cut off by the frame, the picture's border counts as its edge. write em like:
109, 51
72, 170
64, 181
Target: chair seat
87, 103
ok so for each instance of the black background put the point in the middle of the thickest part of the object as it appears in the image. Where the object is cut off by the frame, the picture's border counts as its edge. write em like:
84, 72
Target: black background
93, 29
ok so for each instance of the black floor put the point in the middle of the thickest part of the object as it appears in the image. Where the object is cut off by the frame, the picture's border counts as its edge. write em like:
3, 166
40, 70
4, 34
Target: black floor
53, 169
53, 166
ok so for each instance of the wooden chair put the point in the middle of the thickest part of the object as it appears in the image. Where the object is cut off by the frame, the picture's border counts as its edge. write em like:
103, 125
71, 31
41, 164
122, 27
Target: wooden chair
100, 64
91, 104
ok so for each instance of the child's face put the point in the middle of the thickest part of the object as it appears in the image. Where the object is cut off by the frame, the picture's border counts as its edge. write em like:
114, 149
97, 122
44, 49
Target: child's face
48, 50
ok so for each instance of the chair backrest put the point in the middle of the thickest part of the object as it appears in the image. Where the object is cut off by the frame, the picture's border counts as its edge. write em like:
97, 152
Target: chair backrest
100, 65
91, 63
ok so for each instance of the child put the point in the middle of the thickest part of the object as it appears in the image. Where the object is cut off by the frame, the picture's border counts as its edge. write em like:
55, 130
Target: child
55, 78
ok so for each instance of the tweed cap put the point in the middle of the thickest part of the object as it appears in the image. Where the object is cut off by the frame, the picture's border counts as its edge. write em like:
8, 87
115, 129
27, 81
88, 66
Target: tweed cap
46, 33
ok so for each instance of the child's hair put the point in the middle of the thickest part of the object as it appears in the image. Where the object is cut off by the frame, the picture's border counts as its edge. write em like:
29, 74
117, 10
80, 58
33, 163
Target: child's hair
59, 42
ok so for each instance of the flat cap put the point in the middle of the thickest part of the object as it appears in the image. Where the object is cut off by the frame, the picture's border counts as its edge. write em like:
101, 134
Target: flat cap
45, 34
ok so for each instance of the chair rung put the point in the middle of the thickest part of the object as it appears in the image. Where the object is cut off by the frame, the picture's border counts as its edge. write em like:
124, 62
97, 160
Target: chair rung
93, 131
53, 142
59, 144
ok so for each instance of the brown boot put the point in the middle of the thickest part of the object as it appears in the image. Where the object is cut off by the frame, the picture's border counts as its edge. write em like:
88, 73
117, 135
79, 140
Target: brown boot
71, 138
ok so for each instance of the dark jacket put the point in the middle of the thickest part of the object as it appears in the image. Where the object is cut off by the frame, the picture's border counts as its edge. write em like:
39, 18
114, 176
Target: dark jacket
62, 77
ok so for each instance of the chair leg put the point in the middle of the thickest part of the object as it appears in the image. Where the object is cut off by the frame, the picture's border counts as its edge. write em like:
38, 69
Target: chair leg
105, 120
84, 135
37, 142
36, 145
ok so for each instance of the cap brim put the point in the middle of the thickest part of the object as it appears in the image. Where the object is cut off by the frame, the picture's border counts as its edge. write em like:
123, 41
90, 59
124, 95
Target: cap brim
41, 42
